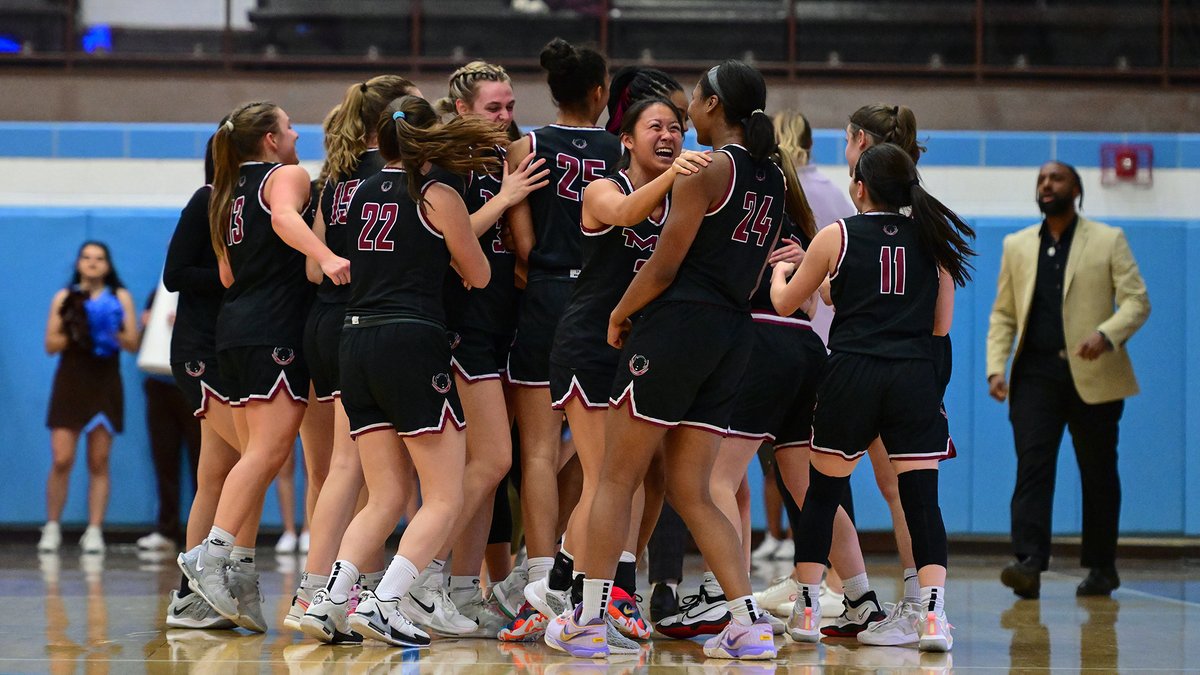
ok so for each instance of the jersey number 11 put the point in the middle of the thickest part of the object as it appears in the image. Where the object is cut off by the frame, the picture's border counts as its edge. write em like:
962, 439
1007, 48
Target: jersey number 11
891, 270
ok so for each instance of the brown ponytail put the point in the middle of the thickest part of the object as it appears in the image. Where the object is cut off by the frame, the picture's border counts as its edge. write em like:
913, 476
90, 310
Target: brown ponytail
795, 201
237, 140
410, 133
352, 124
894, 124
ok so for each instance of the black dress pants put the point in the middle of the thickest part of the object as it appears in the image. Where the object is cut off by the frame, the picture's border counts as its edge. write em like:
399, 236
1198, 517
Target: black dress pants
1042, 403
171, 424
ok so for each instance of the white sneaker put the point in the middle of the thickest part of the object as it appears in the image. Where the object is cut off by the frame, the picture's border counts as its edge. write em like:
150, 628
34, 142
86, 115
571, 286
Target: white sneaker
780, 595
899, 628
287, 543
545, 599
155, 542
766, 550
328, 621
785, 551
934, 632
484, 613
427, 605
804, 623
510, 593
831, 601
51, 537
191, 611
302, 544
383, 620
92, 540
778, 626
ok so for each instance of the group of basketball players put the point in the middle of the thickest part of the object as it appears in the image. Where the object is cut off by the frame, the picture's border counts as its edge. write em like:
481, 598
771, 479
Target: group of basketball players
659, 298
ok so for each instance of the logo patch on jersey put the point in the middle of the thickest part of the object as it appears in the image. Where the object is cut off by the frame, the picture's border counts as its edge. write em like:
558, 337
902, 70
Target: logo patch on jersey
579, 143
441, 383
387, 186
241, 181
454, 338
891, 229
760, 175
638, 365
283, 355
194, 368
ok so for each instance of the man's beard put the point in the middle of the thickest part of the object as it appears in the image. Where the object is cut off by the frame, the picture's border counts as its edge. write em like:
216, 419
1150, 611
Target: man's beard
1056, 206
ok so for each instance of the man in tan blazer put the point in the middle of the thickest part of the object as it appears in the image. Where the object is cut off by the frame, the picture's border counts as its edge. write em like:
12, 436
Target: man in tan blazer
1059, 283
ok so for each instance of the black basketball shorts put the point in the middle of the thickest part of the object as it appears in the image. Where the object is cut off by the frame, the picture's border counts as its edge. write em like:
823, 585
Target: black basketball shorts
777, 392
398, 376
322, 342
682, 364
479, 354
258, 373
590, 386
542, 304
899, 400
200, 380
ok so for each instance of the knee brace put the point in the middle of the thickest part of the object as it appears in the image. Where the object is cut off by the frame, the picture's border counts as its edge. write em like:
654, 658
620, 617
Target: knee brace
919, 499
816, 516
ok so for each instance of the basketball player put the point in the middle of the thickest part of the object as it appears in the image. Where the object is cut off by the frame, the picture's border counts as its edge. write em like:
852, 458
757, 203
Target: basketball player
191, 270
634, 83
622, 219
260, 238
399, 395
675, 388
545, 229
881, 381
351, 156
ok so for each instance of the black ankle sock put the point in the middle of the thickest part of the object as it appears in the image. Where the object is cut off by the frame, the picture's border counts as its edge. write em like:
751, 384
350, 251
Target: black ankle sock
577, 590
184, 590
559, 578
626, 578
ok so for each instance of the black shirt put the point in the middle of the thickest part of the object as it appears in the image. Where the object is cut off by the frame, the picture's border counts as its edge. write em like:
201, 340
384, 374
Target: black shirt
760, 302
191, 270
269, 299
575, 156
398, 259
725, 262
884, 289
1044, 328
335, 199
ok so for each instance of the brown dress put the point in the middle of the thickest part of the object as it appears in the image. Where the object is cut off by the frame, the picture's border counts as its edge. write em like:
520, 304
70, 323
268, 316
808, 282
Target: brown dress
86, 385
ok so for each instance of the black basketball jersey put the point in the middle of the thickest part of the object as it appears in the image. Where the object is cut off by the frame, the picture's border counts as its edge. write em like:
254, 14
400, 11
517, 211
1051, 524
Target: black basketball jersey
191, 269
611, 258
268, 301
884, 289
492, 308
760, 302
335, 200
575, 156
398, 260
725, 263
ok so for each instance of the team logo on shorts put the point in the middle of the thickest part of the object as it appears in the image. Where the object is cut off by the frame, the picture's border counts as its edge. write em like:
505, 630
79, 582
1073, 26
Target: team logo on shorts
241, 181
387, 186
579, 143
283, 355
891, 229
638, 365
454, 338
441, 382
194, 368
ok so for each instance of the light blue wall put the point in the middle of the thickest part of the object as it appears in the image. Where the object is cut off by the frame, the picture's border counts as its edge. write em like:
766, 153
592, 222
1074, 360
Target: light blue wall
1158, 449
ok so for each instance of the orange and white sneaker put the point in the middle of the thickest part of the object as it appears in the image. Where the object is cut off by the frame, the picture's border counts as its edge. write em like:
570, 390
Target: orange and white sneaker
934, 630
528, 626
623, 610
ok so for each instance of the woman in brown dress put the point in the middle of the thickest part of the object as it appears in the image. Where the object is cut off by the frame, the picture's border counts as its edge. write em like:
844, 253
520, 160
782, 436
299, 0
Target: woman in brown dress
91, 321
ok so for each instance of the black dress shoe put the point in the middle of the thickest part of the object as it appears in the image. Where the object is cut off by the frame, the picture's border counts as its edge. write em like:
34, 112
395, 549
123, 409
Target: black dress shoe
663, 602
1024, 578
1099, 581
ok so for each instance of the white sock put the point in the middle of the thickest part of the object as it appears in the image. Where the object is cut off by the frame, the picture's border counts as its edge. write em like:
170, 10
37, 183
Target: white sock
432, 574
933, 599
312, 581
370, 580
401, 574
539, 568
814, 594
745, 610
341, 580
856, 586
912, 586
463, 583
627, 557
219, 542
244, 555
596, 594
711, 586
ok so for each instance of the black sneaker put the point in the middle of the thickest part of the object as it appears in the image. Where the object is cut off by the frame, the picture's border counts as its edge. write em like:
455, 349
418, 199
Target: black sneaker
855, 616
663, 602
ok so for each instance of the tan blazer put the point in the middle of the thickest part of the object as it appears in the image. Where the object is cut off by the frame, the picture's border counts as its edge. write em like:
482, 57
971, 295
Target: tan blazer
1101, 273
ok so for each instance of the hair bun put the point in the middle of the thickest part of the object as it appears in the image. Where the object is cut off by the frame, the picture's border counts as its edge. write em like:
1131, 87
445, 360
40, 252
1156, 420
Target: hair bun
559, 57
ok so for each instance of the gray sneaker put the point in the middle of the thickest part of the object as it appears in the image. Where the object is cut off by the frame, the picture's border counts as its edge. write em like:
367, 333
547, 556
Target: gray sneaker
208, 575
328, 621
244, 586
486, 614
617, 642
191, 611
